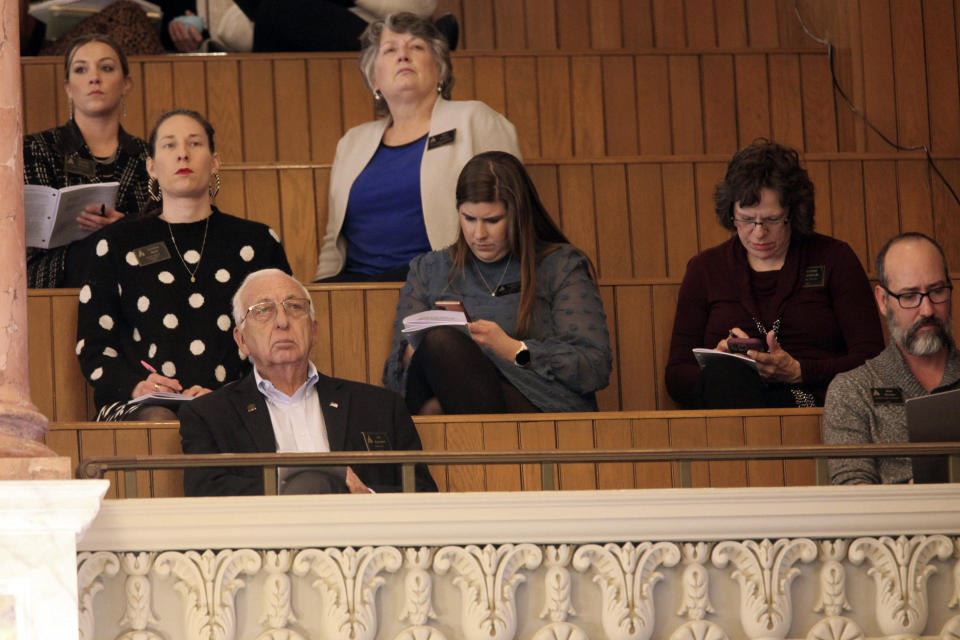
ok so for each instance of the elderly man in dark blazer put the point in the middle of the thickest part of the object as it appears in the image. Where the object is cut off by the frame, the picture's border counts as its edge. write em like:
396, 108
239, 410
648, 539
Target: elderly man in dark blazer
286, 405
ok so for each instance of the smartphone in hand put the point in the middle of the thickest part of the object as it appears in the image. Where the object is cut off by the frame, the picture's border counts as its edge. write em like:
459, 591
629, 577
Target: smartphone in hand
742, 345
451, 305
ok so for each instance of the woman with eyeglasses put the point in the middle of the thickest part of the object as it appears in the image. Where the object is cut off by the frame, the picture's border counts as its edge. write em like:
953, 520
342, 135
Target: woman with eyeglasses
803, 297
154, 315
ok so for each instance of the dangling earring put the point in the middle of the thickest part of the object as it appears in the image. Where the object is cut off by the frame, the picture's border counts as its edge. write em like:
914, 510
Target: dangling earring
377, 95
156, 197
70, 107
123, 107
213, 192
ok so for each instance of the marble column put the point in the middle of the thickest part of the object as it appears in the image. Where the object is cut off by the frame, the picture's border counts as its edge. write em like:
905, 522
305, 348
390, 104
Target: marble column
21, 423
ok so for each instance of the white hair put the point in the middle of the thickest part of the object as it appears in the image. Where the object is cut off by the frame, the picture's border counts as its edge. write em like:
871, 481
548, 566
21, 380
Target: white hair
239, 308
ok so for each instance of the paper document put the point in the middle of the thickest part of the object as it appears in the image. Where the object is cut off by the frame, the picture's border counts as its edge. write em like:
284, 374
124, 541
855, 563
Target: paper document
417, 322
705, 356
51, 214
162, 398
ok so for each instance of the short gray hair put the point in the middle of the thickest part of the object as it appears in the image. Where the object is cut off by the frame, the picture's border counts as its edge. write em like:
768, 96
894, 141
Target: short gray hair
416, 26
239, 309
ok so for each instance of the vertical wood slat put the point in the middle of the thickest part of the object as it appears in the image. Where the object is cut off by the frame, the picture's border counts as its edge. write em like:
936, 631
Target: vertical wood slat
553, 96
668, 24
635, 337
645, 201
877, 72
39, 341
940, 38
753, 97
292, 110
614, 434
720, 107
587, 91
701, 23
502, 436
910, 79
520, 75
653, 111
573, 24
880, 190
637, 24
620, 107
819, 106
613, 221
664, 309
685, 105
786, 100
541, 24
510, 24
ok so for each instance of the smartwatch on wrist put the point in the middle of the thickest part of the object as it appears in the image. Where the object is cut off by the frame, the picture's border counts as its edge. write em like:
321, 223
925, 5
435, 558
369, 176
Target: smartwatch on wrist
522, 357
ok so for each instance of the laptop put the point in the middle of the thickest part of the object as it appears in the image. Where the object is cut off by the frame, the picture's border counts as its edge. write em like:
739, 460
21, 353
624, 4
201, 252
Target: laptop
933, 418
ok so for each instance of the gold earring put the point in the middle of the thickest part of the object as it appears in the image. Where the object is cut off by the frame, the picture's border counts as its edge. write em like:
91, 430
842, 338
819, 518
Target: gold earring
158, 196
123, 107
213, 192
70, 107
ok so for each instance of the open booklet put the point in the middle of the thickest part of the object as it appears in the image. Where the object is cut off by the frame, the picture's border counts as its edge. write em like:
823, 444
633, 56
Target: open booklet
51, 214
705, 356
162, 399
417, 322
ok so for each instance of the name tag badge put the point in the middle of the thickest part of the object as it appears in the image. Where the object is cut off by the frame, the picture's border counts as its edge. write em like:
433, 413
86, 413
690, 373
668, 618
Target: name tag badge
76, 165
886, 395
151, 254
376, 440
507, 289
441, 139
815, 276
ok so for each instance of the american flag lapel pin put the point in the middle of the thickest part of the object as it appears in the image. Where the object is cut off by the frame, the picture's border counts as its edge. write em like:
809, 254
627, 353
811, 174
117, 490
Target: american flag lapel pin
251, 408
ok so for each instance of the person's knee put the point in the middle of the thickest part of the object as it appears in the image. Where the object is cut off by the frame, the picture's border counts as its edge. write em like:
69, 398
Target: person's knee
154, 414
444, 340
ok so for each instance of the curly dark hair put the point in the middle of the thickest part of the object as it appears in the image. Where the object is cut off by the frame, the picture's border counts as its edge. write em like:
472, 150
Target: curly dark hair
766, 165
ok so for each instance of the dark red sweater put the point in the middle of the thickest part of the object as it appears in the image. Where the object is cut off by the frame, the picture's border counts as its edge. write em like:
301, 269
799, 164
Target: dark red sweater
829, 319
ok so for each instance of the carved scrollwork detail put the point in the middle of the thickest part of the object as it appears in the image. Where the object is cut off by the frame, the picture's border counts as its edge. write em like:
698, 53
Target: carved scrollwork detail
139, 612
833, 580
951, 630
348, 579
560, 631
764, 572
696, 581
207, 583
487, 579
420, 633
556, 597
900, 571
277, 608
418, 587
626, 576
90, 566
835, 628
699, 630
955, 598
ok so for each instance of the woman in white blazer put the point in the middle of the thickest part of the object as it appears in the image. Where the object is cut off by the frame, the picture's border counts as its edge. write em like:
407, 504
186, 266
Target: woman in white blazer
393, 180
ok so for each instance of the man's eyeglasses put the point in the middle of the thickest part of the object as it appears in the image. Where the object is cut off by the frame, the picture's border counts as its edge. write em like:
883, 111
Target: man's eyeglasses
912, 299
267, 310
773, 223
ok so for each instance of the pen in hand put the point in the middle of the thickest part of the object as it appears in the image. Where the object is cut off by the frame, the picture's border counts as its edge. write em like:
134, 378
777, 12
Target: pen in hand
103, 214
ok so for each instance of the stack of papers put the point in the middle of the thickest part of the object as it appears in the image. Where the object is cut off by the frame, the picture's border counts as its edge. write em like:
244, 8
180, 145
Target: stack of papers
433, 318
705, 356
162, 398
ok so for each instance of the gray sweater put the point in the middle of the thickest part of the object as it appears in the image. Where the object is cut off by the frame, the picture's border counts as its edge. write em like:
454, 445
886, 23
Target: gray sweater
852, 416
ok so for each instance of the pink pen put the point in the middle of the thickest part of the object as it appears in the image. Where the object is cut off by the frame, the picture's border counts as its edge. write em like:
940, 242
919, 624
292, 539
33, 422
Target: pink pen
147, 366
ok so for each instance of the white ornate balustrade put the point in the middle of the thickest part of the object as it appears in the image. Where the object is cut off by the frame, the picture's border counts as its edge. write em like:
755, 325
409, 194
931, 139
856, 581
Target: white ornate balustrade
824, 563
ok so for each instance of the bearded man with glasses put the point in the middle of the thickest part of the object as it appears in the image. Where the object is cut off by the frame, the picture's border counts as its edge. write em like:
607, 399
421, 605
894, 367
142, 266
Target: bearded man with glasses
286, 406
866, 405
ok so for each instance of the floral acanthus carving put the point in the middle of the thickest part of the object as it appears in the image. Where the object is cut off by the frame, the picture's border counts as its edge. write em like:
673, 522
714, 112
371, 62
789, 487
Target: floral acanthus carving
420, 633
626, 576
487, 579
557, 594
833, 580
418, 587
699, 630
277, 608
90, 566
696, 595
835, 628
139, 612
208, 584
348, 579
900, 571
764, 572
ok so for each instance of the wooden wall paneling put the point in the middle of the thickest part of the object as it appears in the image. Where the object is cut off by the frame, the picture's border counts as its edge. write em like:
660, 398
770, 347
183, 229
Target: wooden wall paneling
701, 23
432, 435
465, 436
664, 310
511, 24
648, 237
223, 96
635, 336
536, 436
348, 329
381, 309
707, 175
910, 78
70, 398
669, 30
753, 98
614, 434
940, 36
478, 30
576, 207
553, 97
325, 109
846, 201
63, 103
322, 352
299, 229
502, 436
587, 93
321, 184
189, 82
100, 442
819, 105
680, 214
39, 340
637, 24
66, 443
612, 221
786, 102
167, 483
719, 104
489, 83
819, 173
520, 74
913, 186
653, 104
685, 104
652, 433
134, 122
232, 198
541, 24
880, 205
763, 431
946, 212
262, 200
134, 442
464, 86
608, 399
357, 100
688, 433
157, 90
545, 180
573, 24
40, 91
605, 24
292, 110
762, 27
257, 89
576, 434
726, 432
620, 106
797, 430
879, 94
731, 23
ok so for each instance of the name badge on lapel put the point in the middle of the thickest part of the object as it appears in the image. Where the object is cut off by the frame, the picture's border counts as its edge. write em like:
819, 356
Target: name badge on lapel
507, 289
815, 276
151, 254
376, 440
886, 395
76, 165
441, 139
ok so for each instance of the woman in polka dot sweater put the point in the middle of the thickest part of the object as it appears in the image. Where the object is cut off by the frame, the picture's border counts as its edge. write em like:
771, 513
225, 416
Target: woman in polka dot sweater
155, 313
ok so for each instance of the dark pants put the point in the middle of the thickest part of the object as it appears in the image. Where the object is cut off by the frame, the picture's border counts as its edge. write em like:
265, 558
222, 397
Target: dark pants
307, 25
729, 384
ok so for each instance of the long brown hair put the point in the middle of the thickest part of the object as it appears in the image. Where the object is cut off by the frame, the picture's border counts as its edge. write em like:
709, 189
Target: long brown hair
496, 176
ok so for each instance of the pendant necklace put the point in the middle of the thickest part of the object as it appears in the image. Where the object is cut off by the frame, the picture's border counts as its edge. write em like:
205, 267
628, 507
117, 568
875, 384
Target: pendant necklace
203, 244
493, 291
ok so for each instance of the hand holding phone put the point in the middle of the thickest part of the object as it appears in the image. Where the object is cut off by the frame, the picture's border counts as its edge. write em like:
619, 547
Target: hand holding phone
451, 305
742, 345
